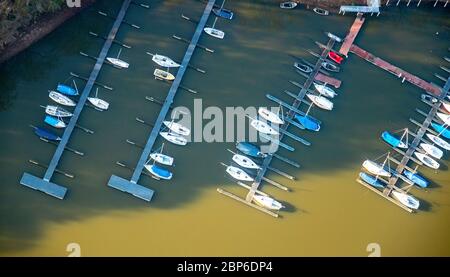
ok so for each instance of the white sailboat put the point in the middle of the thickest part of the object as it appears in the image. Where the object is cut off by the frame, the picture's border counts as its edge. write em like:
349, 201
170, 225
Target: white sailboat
321, 102
406, 199
164, 61
159, 157
213, 31
245, 161
270, 116
432, 150
325, 91
99, 103
118, 62
440, 142
61, 99
427, 160
444, 117
263, 127
177, 128
57, 111
174, 138
238, 174
267, 202
375, 168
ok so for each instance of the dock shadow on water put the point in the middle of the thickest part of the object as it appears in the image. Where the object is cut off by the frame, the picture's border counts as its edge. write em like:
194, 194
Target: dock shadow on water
256, 45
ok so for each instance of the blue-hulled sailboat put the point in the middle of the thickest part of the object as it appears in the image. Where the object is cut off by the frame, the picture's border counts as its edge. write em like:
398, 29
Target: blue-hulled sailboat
43, 133
55, 122
308, 122
416, 178
250, 149
441, 129
66, 90
373, 181
223, 13
392, 140
158, 171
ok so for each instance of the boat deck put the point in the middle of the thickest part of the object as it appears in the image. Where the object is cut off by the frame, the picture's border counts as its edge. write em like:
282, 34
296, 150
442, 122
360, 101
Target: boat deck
118, 182
44, 184
351, 36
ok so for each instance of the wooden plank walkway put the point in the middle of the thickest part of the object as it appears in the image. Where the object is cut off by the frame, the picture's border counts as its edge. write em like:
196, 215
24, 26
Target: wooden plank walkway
43, 184
428, 87
329, 80
116, 181
351, 36
290, 115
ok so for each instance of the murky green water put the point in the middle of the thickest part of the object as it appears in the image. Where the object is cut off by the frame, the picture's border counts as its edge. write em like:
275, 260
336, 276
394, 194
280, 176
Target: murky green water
329, 213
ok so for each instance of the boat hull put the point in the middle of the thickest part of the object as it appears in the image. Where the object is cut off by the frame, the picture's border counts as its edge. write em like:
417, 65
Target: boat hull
392, 140
174, 138
99, 103
57, 111
444, 117
324, 90
238, 174
43, 133
244, 161
321, 102
214, 32
223, 13
159, 172
162, 159
61, 99
267, 202
262, 127
117, 62
441, 129
55, 122
375, 169
164, 61
373, 181
66, 90
250, 149
288, 5
308, 122
427, 160
177, 128
416, 179
432, 150
440, 142
158, 73
406, 200
270, 116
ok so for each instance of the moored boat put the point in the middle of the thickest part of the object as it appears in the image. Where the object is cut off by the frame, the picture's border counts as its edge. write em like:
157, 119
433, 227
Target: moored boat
431, 163
223, 13
99, 103
325, 91
303, 67
214, 32
174, 138
64, 89
375, 168
321, 11
57, 111
61, 99
440, 142
161, 158
118, 62
432, 150
267, 202
238, 174
406, 199
335, 57
416, 178
308, 122
392, 140
163, 75
44, 133
446, 107
250, 149
333, 36
321, 102
245, 161
158, 171
263, 127
55, 122
373, 181
441, 129
330, 67
177, 128
288, 5
164, 61
444, 117
270, 116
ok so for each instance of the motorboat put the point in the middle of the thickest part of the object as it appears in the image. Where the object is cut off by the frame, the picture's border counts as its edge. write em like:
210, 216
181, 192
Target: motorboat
406, 199
267, 202
263, 127
375, 168
288, 5
270, 116
163, 75
320, 11
61, 99
303, 67
330, 67
432, 150
321, 102
325, 91
245, 161
332, 36
238, 174
335, 57
431, 163
164, 61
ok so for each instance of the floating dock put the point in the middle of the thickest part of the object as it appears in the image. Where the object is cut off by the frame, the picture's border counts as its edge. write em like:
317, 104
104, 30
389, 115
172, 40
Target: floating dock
131, 186
44, 184
351, 36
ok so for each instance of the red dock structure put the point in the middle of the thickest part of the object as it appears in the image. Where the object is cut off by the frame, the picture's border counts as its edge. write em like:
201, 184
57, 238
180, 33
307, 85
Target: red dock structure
406, 76
350, 38
329, 80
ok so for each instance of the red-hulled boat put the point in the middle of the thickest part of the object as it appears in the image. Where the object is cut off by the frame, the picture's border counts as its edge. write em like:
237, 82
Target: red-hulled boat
335, 57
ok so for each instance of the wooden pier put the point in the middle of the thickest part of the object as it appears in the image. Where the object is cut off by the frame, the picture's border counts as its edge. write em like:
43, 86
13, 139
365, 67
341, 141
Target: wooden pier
44, 184
123, 184
351, 36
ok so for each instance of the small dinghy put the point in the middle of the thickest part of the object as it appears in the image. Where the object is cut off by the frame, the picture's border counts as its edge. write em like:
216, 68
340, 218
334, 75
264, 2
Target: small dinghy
432, 150
163, 75
335, 57
159, 157
392, 140
57, 111
332, 36
245, 162
320, 11
43, 133
270, 116
303, 67
177, 128
427, 160
158, 171
223, 13
61, 99
99, 103
416, 178
321, 102
406, 199
288, 5
375, 168
64, 89
214, 32
441, 130
267, 202
263, 127
440, 142
250, 149
55, 122
174, 138
238, 174
373, 181
118, 62
308, 122
444, 117
325, 91
330, 67
164, 61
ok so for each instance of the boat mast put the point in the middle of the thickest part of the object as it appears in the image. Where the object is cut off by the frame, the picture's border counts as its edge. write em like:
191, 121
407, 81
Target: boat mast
75, 84
118, 54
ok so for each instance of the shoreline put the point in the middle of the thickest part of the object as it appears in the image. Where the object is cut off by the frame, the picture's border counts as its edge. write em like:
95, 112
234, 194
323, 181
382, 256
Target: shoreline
44, 25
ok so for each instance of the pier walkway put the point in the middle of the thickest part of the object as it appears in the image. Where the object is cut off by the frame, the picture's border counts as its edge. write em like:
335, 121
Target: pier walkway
132, 186
351, 36
44, 184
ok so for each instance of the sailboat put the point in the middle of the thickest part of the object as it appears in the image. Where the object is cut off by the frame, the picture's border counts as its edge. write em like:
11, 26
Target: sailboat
177, 128
416, 178
214, 32
55, 122
174, 138
288, 5
446, 107
330, 67
263, 127
441, 129
238, 174
303, 67
158, 171
267, 202
393, 141
444, 117
61, 99
245, 161
333, 36
165, 75
118, 62
406, 199
432, 150
375, 168
371, 180
66, 90
57, 111
270, 116
161, 158
324, 90
250, 149
164, 61
431, 163
321, 102
99, 103
308, 122
44, 133
440, 142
